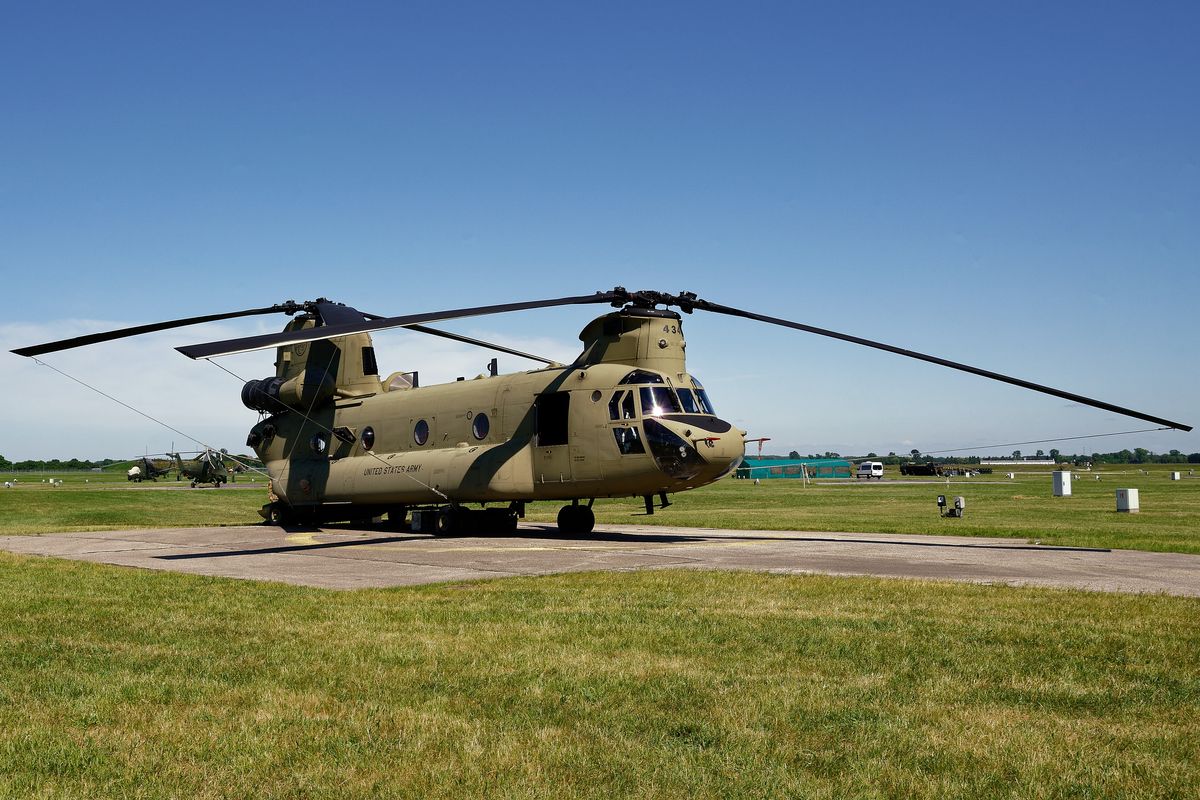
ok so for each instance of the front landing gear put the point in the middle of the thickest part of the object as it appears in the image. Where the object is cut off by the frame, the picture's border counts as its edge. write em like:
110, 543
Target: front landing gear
576, 520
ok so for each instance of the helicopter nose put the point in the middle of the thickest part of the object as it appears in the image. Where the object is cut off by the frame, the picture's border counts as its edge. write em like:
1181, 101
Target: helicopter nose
695, 450
723, 450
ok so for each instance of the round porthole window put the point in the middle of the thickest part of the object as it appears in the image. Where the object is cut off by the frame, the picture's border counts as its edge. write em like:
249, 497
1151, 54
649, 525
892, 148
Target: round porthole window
421, 432
480, 426
368, 438
318, 444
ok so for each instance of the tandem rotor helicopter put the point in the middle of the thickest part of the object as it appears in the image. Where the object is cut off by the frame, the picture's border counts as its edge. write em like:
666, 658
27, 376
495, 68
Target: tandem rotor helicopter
624, 419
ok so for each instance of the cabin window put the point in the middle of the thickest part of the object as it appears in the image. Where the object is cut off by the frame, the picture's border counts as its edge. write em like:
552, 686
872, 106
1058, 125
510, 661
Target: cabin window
368, 438
550, 418
421, 432
480, 426
658, 400
319, 444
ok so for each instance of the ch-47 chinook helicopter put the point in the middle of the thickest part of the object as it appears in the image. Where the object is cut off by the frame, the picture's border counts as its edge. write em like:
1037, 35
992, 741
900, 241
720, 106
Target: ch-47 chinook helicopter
625, 418
207, 467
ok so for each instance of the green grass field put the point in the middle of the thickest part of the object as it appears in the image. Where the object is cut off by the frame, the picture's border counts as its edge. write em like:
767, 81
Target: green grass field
128, 683
1024, 507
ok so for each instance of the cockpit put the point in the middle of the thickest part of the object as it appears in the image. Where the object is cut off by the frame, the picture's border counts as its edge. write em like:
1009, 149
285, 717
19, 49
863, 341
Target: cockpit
650, 397
658, 398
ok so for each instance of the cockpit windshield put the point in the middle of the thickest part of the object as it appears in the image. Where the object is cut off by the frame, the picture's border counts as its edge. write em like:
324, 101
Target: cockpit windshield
658, 400
691, 405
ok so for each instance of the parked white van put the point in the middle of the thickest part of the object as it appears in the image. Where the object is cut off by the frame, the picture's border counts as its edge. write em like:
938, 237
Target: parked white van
870, 469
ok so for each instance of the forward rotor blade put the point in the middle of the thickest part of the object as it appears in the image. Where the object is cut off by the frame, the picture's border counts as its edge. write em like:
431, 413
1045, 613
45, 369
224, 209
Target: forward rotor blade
478, 343
95, 338
996, 376
247, 343
499, 348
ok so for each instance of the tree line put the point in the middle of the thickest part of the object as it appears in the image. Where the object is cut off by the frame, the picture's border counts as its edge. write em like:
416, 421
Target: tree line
1138, 455
79, 465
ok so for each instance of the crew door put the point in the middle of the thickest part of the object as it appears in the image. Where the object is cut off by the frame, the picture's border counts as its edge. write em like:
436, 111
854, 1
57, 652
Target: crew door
552, 462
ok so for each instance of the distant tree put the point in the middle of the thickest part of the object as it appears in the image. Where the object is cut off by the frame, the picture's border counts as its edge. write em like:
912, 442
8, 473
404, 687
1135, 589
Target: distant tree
5, 463
1016, 454
1041, 453
872, 455
1141, 455
794, 454
1193, 458
1054, 454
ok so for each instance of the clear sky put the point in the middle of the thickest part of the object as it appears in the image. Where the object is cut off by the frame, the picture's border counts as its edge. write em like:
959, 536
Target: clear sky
1012, 185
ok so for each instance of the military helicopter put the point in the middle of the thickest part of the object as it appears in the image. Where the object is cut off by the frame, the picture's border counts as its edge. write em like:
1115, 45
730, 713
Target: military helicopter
207, 467
624, 419
147, 469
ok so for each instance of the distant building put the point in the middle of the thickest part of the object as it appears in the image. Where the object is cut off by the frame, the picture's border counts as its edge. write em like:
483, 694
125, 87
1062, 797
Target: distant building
794, 468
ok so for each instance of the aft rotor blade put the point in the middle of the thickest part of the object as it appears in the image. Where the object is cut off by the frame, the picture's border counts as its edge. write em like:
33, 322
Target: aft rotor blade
95, 338
996, 376
230, 346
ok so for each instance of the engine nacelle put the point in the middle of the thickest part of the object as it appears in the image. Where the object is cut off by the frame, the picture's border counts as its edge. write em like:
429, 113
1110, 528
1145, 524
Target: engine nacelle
302, 392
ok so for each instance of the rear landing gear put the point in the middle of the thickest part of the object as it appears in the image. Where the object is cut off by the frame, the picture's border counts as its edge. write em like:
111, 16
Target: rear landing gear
576, 520
452, 520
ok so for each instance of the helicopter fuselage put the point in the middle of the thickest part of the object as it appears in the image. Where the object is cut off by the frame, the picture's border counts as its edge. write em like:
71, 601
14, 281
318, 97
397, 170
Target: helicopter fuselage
625, 419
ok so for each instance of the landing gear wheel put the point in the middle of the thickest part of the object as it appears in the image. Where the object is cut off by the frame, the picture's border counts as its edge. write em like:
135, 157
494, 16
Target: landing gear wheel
576, 520
281, 515
443, 523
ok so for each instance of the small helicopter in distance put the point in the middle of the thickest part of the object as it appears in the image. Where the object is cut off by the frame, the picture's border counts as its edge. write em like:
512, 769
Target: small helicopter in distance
207, 467
148, 469
624, 419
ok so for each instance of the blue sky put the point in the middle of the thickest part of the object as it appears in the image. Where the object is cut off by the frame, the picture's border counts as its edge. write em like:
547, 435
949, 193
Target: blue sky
1009, 185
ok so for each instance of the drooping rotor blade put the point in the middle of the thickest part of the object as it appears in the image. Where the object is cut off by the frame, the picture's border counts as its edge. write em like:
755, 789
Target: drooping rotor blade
499, 348
95, 338
247, 343
689, 302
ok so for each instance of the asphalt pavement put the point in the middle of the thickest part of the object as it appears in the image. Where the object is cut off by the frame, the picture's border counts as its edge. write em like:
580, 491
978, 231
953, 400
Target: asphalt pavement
346, 558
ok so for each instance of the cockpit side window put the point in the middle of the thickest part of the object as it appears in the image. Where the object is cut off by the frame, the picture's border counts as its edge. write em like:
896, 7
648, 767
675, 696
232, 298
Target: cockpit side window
705, 404
658, 400
614, 406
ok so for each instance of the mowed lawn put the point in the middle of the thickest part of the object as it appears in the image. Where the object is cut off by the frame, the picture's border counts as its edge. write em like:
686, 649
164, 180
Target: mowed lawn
127, 683
1024, 507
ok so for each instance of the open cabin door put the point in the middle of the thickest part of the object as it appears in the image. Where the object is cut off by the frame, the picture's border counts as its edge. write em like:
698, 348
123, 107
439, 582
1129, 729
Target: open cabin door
551, 420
